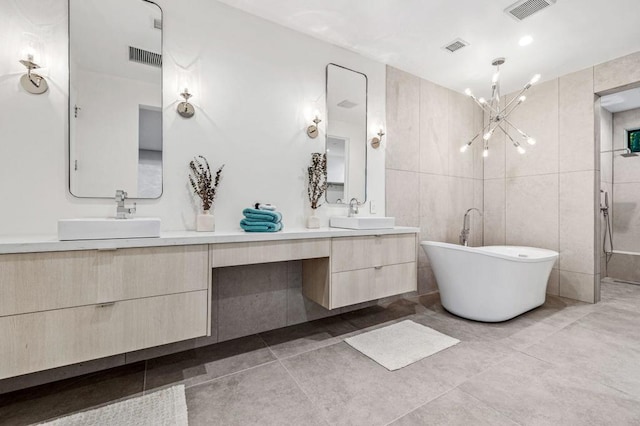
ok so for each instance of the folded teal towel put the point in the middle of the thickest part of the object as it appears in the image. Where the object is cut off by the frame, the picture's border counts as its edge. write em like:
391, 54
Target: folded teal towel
262, 215
252, 226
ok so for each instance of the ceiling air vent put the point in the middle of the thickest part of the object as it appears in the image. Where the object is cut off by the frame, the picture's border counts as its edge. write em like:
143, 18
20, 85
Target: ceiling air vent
455, 45
525, 8
145, 57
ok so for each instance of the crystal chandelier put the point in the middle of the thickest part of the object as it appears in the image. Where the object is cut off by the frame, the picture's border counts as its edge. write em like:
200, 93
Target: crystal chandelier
499, 116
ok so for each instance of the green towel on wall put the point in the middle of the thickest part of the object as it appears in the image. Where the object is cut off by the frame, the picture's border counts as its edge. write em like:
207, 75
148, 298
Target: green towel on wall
253, 226
262, 215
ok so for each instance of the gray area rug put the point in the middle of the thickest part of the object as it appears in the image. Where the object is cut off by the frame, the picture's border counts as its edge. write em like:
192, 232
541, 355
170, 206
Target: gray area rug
167, 407
401, 344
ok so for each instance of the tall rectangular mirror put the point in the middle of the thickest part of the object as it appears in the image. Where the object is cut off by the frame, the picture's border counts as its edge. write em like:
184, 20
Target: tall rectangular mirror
346, 144
115, 98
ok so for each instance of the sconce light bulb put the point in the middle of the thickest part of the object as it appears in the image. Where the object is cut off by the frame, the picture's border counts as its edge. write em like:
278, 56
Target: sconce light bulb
531, 141
482, 101
485, 153
464, 147
29, 53
487, 135
521, 150
522, 98
535, 79
468, 92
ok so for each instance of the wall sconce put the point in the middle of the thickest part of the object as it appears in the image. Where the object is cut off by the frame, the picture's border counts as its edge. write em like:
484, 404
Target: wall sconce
32, 82
312, 131
185, 109
375, 142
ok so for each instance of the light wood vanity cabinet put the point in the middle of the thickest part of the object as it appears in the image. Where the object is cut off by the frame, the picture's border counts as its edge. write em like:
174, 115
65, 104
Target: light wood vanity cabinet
61, 308
64, 307
361, 269
32, 282
235, 254
43, 340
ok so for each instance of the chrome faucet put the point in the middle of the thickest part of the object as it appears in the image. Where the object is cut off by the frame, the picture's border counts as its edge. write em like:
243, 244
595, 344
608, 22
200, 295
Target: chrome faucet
466, 227
353, 207
123, 212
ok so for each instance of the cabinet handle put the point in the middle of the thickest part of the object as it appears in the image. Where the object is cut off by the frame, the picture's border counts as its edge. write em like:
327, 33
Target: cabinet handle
377, 267
106, 305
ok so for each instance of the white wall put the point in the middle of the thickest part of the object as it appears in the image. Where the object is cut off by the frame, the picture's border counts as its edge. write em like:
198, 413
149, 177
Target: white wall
252, 82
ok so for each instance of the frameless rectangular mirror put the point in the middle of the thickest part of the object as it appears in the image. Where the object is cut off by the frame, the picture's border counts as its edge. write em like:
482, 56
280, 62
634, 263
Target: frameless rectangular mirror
346, 144
115, 98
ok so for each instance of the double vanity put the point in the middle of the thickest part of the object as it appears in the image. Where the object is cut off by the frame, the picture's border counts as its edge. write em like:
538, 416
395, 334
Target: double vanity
66, 302
108, 287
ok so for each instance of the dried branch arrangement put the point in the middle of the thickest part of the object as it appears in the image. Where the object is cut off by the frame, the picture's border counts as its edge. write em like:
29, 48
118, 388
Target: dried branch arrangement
317, 178
203, 183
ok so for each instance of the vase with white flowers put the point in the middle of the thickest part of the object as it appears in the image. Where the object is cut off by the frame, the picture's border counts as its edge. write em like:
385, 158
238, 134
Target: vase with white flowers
317, 185
205, 186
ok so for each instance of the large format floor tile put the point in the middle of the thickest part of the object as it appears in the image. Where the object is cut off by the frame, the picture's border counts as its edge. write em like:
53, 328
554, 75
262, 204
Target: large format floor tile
620, 296
296, 339
534, 392
206, 363
265, 395
585, 351
353, 389
455, 408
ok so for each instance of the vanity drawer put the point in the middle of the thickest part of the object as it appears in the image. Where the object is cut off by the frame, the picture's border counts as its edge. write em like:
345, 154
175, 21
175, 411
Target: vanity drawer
233, 254
352, 287
350, 253
43, 340
33, 282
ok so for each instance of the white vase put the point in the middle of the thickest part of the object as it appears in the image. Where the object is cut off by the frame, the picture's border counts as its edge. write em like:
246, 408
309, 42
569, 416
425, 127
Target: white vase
313, 222
205, 222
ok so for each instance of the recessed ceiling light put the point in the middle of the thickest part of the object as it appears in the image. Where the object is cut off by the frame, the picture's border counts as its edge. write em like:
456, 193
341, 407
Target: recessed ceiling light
525, 41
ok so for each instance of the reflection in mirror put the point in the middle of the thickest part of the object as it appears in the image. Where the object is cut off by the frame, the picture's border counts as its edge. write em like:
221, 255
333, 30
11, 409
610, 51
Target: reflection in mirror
346, 144
115, 98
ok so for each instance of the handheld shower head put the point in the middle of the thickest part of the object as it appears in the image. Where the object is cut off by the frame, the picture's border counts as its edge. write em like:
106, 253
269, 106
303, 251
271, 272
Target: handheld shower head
604, 201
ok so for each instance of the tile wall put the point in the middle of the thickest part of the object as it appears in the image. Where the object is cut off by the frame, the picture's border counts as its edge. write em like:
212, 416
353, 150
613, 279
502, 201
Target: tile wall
429, 183
544, 198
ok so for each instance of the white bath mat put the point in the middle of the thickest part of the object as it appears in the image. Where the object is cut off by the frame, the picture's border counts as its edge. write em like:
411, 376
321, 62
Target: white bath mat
167, 407
401, 344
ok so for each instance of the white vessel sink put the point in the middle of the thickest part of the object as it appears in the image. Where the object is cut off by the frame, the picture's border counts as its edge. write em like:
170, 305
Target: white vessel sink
356, 222
107, 228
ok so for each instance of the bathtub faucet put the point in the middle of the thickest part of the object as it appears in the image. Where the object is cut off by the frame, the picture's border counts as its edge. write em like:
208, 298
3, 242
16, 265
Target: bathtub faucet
466, 227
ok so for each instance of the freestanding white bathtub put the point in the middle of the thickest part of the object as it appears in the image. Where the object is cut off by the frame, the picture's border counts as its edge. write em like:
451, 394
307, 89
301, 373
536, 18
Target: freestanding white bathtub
493, 283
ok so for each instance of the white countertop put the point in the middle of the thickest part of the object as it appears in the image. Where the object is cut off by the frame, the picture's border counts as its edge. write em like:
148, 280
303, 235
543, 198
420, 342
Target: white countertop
35, 244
